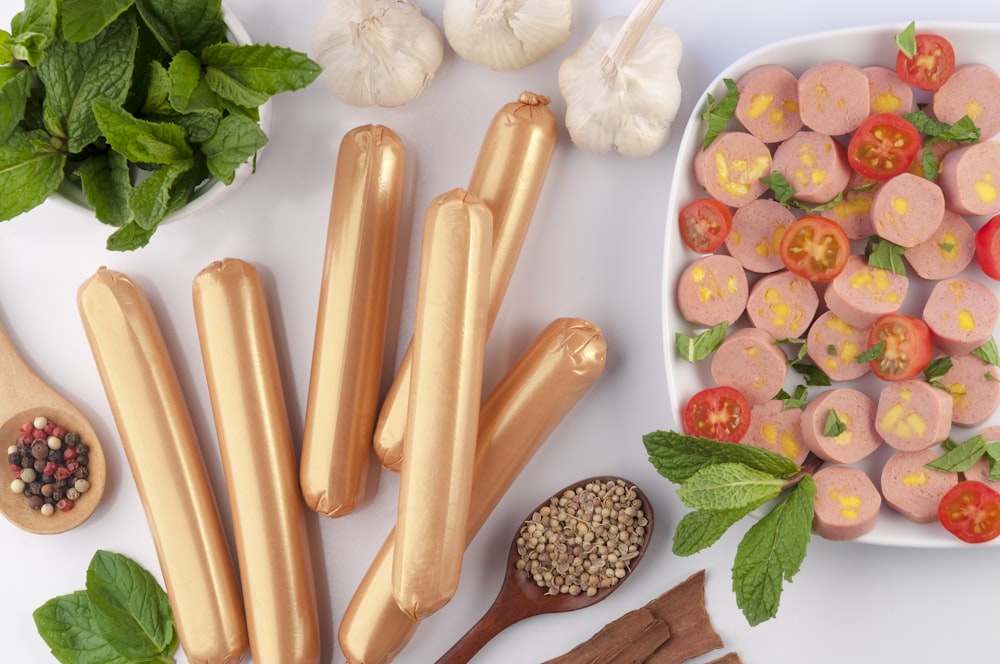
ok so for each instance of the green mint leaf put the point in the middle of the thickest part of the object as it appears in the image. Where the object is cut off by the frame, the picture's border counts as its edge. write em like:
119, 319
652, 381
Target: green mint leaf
963, 131
906, 40
799, 399
140, 141
237, 139
925, 124
158, 84
814, 376
702, 345
717, 113
84, 19
30, 170
833, 426
188, 92
677, 456
772, 551
33, 29
262, 68
76, 74
783, 190
231, 90
831, 349
885, 255
994, 469
129, 237
107, 183
183, 25
937, 369
872, 353
929, 164
701, 529
69, 629
946, 246
14, 93
130, 608
797, 341
197, 127
150, 200
727, 486
961, 457
988, 352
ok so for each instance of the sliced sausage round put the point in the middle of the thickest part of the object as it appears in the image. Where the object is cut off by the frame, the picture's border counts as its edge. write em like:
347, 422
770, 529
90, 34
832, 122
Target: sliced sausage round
974, 386
970, 179
833, 97
814, 164
853, 211
833, 343
712, 289
945, 253
783, 304
852, 408
731, 167
961, 314
913, 415
756, 235
972, 90
887, 93
912, 489
750, 361
768, 106
847, 503
777, 429
862, 293
907, 209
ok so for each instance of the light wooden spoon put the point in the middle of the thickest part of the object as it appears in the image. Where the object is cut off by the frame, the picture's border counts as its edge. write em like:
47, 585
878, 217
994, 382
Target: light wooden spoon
23, 397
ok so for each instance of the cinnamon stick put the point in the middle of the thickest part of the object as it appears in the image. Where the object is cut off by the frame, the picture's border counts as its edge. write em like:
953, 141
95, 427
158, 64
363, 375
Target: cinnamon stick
682, 608
629, 639
728, 658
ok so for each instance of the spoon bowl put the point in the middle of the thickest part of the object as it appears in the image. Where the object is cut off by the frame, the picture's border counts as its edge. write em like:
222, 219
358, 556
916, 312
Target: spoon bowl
520, 597
23, 397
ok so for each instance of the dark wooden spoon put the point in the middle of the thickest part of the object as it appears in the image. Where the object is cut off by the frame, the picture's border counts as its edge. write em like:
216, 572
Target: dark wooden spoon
520, 597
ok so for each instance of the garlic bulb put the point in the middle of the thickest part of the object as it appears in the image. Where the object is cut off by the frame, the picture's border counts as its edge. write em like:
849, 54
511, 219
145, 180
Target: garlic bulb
506, 34
382, 52
621, 87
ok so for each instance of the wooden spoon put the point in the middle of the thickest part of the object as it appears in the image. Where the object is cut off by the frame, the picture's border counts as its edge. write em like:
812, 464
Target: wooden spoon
23, 397
520, 597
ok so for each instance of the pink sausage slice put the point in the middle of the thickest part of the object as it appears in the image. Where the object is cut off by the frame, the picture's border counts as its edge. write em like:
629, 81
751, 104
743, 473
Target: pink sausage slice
783, 304
732, 166
853, 211
887, 93
832, 344
961, 314
833, 97
907, 209
856, 411
847, 503
970, 179
750, 361
974, 386
862, 293
712, 289
945, 253
912, 489
980, 471
912, 415
777, 429
814, 164
756, 235
769, 103
972, 90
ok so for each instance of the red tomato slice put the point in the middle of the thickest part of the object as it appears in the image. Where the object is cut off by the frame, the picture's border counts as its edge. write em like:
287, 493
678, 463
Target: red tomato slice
932, 64
722, 413
988, 248
884, 146
971, 512
815, 248
704, 224
907, 349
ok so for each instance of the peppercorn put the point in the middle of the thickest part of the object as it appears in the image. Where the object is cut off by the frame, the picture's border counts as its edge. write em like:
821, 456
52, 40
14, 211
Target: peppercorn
72, 494
81, 473
47, 490
36, 502
55, 456
70, 453
64, 505
71, 438
39, 465
39, 449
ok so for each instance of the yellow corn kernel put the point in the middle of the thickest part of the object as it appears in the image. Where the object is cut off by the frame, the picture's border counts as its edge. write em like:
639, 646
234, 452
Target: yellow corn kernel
900, 205
915, 479
762, 249
906, 394
849, 503
959, 396
831, 363
861, 279
915, 426
886, 102
752, 351
892, 416
790, 445
732, 284
848, 351
948, 246
966, 321
790, 105
759, 104
806, 157
779, 233
735, 237
705, 294
985, 189
973, 109
818, 176
777, 116
698, 274
837, 325
770, 433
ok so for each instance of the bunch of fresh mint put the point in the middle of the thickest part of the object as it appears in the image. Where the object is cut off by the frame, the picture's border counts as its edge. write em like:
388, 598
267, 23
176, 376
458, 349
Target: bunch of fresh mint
122, 617
724, 482
139, 101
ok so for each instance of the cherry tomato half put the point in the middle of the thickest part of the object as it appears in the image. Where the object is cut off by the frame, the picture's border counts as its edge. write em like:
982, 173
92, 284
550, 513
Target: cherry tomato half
815, 248
884, 146
704, 224
932, 64
971, 512
907, 349
988, 248
722, 413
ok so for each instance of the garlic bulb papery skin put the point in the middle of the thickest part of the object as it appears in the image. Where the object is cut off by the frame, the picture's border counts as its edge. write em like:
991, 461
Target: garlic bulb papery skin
505, 35
377, 52
620, 98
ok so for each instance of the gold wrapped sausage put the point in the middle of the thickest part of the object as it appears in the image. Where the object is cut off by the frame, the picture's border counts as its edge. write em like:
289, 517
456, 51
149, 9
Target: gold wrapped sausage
167, 465
551, 376
351, 323
508, 177
449, 341
251, 420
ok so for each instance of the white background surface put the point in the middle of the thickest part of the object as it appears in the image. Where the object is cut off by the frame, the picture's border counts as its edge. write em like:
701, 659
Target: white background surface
594, 251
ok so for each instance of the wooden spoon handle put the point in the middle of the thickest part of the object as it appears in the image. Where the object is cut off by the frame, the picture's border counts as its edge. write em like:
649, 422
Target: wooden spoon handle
21, 386
496, 619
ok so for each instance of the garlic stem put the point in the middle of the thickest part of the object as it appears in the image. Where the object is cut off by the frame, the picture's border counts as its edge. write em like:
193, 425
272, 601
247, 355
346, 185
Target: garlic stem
628, 36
